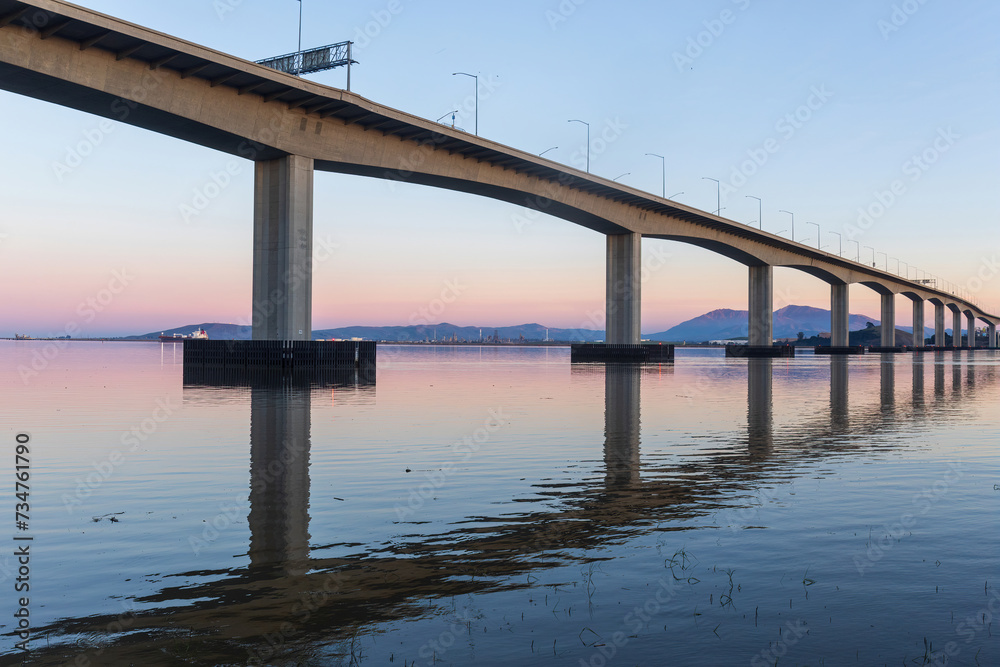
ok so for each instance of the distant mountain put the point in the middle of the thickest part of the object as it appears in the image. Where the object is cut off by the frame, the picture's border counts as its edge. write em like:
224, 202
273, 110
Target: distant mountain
430, 332
715, 325
725, 323
215, 331
446, 331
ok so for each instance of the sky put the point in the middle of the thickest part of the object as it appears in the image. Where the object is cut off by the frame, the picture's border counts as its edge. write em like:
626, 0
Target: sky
881, 118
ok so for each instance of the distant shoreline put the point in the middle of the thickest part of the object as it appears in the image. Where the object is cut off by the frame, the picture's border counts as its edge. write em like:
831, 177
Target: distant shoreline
526, 343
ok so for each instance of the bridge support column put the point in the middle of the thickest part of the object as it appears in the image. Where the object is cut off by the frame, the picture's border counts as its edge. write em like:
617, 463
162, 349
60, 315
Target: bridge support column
282, 249
888, 320
991, 335
760, 330
939, 324
970, 324
956, 328
839, 315
918, 323
623, 315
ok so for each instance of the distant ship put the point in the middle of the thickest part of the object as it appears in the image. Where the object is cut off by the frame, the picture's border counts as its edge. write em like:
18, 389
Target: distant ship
200, 334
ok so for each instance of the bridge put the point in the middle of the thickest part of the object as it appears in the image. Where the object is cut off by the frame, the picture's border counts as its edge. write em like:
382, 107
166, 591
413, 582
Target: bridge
60, 53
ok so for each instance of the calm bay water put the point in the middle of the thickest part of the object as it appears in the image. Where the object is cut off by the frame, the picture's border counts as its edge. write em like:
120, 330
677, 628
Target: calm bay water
498, 505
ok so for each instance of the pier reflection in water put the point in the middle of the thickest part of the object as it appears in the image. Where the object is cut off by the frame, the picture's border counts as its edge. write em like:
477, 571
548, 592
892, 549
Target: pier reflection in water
696, 479
279, 478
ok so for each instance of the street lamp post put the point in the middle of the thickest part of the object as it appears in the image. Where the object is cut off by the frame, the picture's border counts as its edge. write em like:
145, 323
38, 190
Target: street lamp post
897, 265
857, 254
760, 211
663, 173
452, 112
907, 270
588, 139
547, 150
793, 221
840, 237
873, 253
476, 77
675, 195
817, 232
886, 261
718, 193
625, 174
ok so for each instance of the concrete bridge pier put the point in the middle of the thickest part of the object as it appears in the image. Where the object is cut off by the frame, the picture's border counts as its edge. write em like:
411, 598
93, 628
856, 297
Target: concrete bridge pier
282, 249
918, 322
970, 325
956, 327
760, 330
991, 335
888, 320
623, 314
839, 315
939, 324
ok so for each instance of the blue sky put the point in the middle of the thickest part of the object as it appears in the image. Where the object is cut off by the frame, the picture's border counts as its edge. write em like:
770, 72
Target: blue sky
846, 95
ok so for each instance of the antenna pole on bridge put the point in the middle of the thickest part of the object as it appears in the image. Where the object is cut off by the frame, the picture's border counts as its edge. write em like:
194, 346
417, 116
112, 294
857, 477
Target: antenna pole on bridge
300, 29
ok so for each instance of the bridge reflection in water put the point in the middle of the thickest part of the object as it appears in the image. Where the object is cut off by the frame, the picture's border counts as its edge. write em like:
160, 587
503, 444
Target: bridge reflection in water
227, 611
